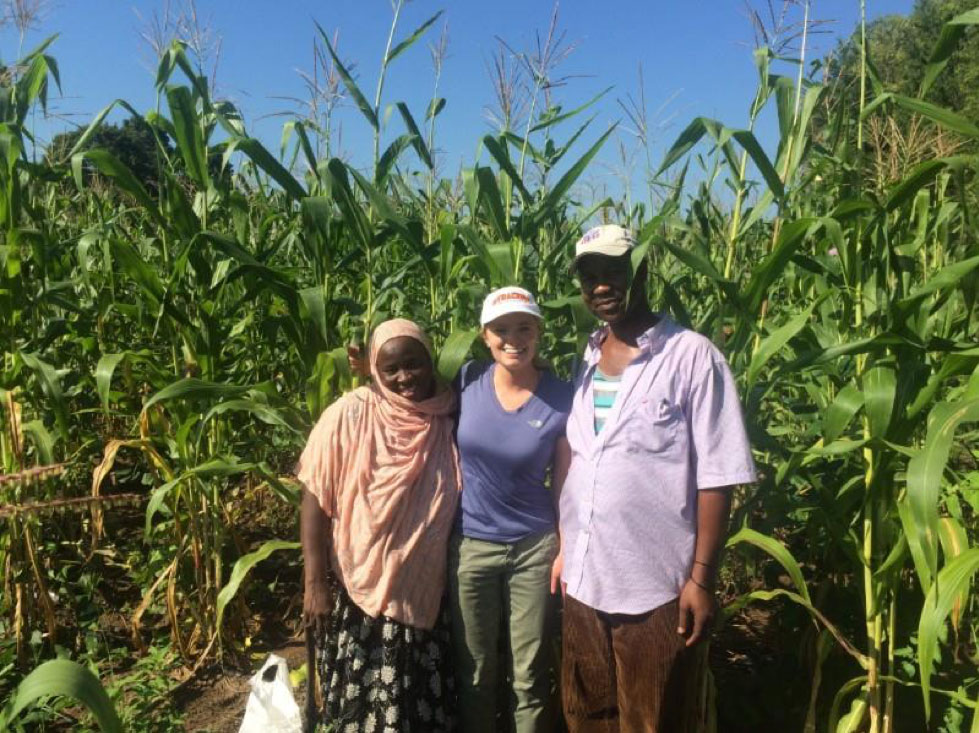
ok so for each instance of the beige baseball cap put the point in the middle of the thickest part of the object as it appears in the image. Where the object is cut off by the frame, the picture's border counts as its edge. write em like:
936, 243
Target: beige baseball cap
506, 300
610, 240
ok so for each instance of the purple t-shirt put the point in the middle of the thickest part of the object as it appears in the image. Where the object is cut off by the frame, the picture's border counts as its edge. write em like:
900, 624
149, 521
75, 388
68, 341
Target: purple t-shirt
629, 504
505, 455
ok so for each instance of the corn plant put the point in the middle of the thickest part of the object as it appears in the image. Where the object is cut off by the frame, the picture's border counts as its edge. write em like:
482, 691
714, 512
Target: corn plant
870, 304
60, 678
181, 337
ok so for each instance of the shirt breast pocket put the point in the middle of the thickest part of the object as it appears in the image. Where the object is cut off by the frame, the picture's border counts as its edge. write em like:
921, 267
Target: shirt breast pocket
655, 426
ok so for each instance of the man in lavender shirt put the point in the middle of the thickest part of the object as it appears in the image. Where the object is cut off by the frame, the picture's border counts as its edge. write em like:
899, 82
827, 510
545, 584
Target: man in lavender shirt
658, 441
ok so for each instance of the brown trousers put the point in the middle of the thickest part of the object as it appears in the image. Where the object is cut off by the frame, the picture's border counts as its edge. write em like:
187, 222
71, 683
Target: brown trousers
628, 674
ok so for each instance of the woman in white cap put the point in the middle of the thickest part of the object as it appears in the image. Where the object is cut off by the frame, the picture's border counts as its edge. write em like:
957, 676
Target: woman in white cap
504, 553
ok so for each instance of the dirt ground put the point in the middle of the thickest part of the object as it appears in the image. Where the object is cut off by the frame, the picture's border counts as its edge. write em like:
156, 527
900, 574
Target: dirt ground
745, 657
215, 701
759, 660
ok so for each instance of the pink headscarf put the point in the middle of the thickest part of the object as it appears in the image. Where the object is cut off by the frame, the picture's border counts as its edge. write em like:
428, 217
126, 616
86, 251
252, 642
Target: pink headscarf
385, 469
392, 329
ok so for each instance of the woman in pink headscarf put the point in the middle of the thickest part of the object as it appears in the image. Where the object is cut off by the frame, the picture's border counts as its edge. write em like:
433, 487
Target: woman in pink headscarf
381, 485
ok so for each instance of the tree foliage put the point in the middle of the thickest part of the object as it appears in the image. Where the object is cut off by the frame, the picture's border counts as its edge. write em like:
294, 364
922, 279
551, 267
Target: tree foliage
899, 48
132, 142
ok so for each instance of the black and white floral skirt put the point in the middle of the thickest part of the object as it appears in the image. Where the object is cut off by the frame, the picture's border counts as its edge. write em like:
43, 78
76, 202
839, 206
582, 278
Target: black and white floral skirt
381, 676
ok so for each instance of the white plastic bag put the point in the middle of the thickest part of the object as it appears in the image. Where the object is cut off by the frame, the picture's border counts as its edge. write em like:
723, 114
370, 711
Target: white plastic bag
271, 707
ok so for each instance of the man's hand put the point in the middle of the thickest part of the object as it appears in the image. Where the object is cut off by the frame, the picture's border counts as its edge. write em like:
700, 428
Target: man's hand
556, 567
697, 603
317, 604
697, 609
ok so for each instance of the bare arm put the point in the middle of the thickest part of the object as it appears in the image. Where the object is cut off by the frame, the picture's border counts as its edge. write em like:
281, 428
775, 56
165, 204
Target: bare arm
559, 470
314, 532
562, 462
713, 510
697, 597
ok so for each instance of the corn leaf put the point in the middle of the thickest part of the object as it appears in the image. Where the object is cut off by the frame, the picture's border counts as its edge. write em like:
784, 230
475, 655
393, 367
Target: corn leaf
417, 139
749, 142
103, 376
410, 40
954, 541
434, 107
64, 678
454, 352
564, 184
948, 41
778, 339
389, 157
879, 391
924, 476
691, 135
948, 277
946, 118
43, 440
348, 81
189, 388
492, 201
549, 120
953, 580
501, 155
110, 166
778, 552
241, 569
216, 467
281, 415
262, 158
190, 141
350, 208
765, 273
50, 382
837, 416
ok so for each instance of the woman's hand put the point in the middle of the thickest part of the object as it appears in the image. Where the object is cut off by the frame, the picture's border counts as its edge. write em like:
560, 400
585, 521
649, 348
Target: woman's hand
556, 567
697, 609
314, 529
317, 604
357, 361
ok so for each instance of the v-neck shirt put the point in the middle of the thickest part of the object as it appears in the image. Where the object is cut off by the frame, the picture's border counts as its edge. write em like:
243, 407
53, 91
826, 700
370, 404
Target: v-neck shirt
505, 455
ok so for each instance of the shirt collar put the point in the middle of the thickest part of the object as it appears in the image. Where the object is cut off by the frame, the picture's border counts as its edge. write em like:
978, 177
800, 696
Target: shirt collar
646, 340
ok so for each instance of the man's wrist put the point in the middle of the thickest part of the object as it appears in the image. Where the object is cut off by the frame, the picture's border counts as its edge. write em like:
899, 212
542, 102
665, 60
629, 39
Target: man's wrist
700, 585
703, 571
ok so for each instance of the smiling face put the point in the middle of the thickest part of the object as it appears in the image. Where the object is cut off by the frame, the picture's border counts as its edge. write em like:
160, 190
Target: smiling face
512, 339
605, 285
405, 367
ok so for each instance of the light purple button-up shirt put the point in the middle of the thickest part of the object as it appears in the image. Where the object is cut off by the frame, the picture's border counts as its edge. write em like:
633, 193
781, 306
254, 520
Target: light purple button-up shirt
629, 504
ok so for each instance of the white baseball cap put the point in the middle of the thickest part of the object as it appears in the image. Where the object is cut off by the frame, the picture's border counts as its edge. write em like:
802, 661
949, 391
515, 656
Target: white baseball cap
510, 299
610, 240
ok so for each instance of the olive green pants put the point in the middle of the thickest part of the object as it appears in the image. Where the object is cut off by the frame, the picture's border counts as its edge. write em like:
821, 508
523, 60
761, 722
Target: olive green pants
494, 586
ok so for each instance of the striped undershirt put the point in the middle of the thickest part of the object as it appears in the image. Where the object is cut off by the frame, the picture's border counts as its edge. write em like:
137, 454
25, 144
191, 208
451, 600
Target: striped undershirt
605, 390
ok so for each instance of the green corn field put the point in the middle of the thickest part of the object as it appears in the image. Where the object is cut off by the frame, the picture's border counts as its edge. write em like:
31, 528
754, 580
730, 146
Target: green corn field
168, 343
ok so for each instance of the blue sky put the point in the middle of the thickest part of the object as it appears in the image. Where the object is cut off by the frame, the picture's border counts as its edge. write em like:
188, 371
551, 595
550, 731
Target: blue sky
696, 59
